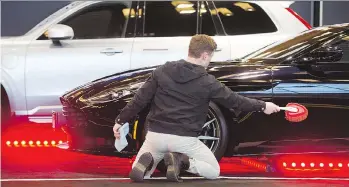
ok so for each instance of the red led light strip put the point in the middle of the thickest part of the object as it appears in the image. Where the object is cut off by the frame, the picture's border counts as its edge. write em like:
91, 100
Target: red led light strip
253, 163
320, 166
32, 143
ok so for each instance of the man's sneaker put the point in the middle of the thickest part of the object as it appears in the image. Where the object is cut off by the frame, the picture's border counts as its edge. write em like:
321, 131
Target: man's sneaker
175, 163
144, 164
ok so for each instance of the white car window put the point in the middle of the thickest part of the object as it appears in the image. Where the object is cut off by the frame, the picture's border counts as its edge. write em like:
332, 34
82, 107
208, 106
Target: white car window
207, 25
167, 19
54, 15
101, 20
240, 18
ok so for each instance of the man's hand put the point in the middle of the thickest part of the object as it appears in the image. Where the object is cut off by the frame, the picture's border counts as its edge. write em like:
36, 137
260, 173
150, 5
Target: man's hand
115, 130
271, 108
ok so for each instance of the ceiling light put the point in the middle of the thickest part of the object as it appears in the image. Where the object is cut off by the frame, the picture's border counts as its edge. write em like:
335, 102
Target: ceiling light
223, 11
245, 6
202, 10
127, 11
185, 10
184, 5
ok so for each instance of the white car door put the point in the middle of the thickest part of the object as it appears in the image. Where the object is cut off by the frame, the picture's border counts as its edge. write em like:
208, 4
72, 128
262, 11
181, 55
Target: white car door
166, 32
99, 48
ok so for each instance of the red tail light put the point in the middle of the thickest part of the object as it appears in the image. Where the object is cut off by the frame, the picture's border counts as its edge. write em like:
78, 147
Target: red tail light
305, 23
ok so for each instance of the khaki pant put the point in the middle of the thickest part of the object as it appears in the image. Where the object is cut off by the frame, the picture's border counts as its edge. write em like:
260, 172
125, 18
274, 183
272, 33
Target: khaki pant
202, 161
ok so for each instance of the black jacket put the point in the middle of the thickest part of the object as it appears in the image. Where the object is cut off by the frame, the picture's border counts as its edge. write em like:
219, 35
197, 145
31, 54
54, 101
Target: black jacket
180, 93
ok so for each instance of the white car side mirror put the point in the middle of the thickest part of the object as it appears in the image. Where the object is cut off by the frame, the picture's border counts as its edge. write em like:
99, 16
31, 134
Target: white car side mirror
60, 32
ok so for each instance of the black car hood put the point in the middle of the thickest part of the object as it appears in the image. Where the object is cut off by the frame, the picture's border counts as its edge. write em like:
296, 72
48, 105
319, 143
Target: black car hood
131, 77
114, 80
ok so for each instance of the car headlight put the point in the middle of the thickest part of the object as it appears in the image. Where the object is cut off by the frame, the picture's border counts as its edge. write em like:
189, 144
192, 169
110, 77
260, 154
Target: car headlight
113, 94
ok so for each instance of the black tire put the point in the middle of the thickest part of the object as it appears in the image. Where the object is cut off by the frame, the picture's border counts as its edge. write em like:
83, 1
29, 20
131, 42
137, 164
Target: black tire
5, 110
224, 131
220, 147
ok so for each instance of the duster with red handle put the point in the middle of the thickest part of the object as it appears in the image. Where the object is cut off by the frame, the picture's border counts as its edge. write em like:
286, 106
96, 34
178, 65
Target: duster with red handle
295, 112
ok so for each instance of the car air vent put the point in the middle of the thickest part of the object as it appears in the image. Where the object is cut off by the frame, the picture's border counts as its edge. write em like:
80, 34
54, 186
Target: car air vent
74, 117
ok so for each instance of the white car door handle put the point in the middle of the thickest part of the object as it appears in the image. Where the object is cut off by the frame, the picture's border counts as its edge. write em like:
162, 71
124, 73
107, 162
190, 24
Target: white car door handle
150, 49
110, 51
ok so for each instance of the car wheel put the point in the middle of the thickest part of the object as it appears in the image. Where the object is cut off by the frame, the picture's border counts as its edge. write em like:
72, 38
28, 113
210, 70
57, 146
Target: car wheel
214, 134
5, 110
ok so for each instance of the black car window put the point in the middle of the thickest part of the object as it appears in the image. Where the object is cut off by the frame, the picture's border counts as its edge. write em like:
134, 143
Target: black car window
244, 18
170, 18
293, 45
102, 20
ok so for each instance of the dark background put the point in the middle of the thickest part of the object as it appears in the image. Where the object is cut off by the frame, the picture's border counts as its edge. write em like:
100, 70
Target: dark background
18, 17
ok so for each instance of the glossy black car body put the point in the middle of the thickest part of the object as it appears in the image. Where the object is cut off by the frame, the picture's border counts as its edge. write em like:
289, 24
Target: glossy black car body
311, 68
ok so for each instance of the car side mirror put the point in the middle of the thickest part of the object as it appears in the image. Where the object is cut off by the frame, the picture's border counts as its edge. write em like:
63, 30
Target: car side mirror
60, 32
328, 54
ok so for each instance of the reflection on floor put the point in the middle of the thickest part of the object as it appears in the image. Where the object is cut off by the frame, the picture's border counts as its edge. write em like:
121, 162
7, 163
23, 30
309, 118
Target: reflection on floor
45, 161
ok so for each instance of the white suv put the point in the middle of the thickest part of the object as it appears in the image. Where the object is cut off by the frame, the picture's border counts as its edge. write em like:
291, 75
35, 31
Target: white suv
88, 40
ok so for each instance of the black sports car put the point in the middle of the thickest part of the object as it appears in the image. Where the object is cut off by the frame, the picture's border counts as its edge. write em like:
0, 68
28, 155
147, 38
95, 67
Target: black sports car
311, 68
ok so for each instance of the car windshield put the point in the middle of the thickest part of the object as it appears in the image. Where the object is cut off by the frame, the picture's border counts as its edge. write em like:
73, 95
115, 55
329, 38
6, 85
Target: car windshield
291, 45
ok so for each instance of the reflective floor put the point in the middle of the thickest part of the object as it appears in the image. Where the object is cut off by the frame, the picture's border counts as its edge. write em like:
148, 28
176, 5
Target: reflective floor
49, 166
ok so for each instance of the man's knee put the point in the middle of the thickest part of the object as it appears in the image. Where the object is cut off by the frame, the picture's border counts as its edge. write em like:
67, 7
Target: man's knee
214, 174
214, 171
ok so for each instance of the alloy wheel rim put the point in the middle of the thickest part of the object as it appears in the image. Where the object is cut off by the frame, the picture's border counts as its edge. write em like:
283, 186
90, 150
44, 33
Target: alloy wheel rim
211, 132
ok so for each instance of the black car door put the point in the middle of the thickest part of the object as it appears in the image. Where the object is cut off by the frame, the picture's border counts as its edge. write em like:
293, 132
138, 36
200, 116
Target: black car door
322, 86
253, 81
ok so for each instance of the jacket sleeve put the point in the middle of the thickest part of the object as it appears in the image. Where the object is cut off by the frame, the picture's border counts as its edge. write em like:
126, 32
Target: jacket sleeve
143, 96
223, 95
